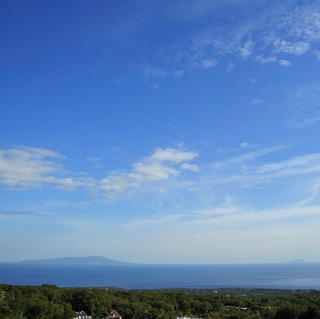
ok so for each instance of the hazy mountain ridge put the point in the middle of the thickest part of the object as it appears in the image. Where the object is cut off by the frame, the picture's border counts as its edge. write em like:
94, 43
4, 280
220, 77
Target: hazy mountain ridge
89, 260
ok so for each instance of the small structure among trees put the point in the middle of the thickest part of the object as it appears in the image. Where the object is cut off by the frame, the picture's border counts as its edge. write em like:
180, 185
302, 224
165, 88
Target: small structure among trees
114, 314
82, 315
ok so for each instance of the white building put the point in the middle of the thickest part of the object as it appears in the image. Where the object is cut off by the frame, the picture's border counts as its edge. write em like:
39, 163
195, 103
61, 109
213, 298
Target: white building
82, 315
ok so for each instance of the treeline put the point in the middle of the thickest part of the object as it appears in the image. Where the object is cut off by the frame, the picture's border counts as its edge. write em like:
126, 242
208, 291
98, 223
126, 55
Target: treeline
51, 302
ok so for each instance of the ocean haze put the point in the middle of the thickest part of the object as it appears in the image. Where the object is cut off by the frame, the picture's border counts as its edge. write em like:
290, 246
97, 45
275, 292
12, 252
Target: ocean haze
90, 260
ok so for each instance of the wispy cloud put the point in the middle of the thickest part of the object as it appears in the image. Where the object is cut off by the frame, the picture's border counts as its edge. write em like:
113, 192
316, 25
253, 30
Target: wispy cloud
298, 165
317, 54
244, 158
208, 64
256, 102
264, 60
246, 49
95, 161
302, 105
153, 75
230, 66
245, 168
295, 48
248, 145
273, 34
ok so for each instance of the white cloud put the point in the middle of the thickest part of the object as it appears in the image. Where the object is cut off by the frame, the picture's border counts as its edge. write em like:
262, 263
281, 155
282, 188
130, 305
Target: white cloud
286, 29
246, 49
248, 145
295, 48
168, 169
208, 64
284, 63
116, 182
263, 60
190, 167
172, 155
152, 171
33, 167
256, 102
214, 207
268, 36
161, 165
27, 167
303, 21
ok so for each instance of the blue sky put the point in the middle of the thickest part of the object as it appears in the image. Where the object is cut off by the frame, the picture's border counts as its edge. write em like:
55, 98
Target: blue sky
182, 131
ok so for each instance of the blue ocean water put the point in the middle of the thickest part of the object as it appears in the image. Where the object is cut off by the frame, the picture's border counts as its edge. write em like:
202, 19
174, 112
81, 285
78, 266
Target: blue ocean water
271, 276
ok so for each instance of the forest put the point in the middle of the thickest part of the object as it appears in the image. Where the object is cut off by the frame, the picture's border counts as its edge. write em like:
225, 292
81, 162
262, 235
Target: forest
52, 302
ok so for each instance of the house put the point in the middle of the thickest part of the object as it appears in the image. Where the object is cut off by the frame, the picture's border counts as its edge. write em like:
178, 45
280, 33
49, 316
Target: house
82, 315
114, 314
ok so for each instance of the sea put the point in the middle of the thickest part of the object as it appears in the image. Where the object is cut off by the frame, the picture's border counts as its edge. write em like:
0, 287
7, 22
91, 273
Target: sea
290, 276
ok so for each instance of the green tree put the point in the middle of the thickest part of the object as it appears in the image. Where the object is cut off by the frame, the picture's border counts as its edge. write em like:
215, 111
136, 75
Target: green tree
286, 313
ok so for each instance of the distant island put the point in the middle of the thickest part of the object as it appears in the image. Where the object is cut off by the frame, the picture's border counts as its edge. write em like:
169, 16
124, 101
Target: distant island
90, 260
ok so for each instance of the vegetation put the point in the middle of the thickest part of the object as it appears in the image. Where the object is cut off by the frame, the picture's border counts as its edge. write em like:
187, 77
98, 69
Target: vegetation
51, 302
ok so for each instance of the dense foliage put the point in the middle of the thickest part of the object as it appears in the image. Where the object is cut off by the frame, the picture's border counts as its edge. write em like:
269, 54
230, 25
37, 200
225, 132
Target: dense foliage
51, 302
